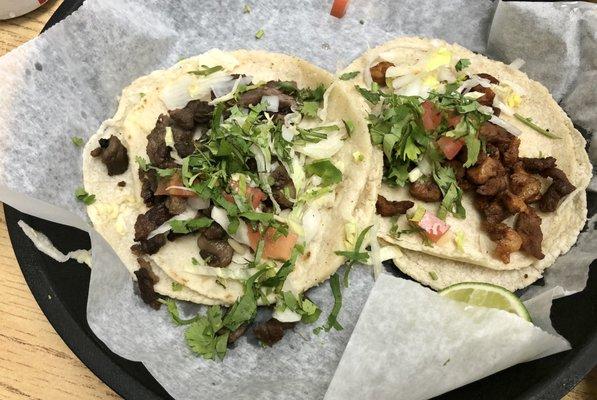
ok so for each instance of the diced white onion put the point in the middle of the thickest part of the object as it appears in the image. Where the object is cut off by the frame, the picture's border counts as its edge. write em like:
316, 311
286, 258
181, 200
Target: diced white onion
169, 137
506, 125
485, 110
242, 234
402, 81
503, 107
237, 247
176, 157
517, 63
225, 90
223, 87
425, 166
273, 103
474, 95
198, 203
286, 316
176, 94
288, 133
473, 81
414, 174
198, 133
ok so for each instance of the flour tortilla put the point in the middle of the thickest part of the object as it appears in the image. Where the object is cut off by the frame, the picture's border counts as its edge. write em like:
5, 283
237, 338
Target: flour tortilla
476, 262
116, 208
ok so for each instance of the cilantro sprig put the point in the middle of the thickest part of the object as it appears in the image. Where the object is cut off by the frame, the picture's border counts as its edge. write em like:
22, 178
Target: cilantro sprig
356, 255
398, 129
332, 320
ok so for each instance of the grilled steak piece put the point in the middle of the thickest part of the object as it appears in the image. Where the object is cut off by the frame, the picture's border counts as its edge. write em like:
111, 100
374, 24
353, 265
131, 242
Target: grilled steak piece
113, 154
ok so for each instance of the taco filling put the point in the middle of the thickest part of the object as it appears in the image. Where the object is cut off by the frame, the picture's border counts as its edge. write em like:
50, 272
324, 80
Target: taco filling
222, 181
442, 137
237, 172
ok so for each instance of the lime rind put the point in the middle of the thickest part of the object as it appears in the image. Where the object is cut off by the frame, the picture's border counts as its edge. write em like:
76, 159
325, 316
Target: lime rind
487, 295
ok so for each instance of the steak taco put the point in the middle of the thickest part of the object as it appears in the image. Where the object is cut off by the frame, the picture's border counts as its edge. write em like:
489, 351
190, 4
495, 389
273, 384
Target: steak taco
228, 172
484, 175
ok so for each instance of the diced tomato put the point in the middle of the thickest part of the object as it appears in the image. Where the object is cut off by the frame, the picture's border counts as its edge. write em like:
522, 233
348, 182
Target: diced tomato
339, 8
454, 120
450, 147
254, 194
275, 248
172, 186
431, 116
433, 227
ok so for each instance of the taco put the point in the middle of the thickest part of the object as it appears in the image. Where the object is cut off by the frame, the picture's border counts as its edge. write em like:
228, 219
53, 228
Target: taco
484, 175
228, 171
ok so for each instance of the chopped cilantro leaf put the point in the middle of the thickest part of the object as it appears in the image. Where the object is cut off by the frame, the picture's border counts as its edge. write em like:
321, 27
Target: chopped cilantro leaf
247, 9
327, 171
369, 95
177, 287
189, 225
245, 307
194, 261
205, 71
348, 75
259, 34
162, 172
308, 310
462, 64
77, 141
452, 201
308, 94
83, 196
433, 275
309, 109
142, 163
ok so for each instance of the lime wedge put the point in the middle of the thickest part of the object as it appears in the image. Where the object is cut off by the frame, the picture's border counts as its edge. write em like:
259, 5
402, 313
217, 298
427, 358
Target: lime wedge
487, 295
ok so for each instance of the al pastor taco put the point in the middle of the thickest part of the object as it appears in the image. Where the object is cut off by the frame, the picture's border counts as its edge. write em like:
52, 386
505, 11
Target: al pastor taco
484, 175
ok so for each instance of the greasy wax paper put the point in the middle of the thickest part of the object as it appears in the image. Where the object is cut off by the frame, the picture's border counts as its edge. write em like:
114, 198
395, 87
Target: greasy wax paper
67, 81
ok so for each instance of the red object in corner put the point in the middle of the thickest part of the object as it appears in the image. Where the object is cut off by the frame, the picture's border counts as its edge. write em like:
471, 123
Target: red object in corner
339, 8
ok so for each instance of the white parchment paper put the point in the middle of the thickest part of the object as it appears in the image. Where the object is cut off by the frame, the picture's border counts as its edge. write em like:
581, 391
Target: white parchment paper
67, 81
465, 344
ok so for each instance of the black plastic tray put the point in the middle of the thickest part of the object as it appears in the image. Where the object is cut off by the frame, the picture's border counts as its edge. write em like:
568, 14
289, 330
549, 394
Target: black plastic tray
61, 292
